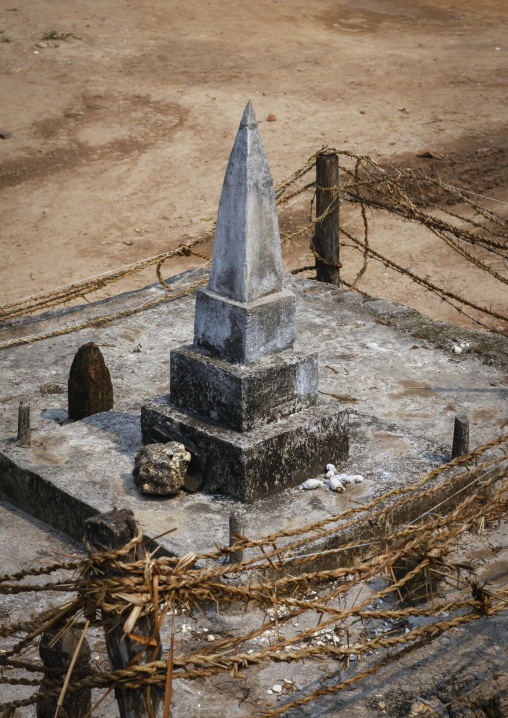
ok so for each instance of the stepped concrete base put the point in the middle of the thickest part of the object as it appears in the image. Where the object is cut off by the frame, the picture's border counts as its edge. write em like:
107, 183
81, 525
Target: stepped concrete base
243, 332
251, 465
243, 396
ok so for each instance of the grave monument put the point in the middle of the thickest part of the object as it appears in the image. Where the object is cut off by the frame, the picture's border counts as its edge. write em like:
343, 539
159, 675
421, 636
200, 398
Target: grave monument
243, 400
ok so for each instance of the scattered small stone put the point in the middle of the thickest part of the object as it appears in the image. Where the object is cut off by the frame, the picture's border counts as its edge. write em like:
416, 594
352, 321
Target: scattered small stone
271, 118
336, 485
160, 469
461, 347
312, 484
4, 135
346, 479
51, 388
277, 688
210, 638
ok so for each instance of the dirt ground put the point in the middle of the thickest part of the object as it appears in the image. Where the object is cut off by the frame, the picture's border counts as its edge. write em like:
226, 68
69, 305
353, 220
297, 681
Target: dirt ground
123, 120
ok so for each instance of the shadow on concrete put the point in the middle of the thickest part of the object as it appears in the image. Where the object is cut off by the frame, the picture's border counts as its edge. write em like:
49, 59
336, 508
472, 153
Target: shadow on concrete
122, 425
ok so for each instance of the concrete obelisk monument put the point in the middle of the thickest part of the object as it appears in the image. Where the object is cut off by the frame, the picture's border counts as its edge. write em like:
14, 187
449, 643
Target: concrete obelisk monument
242, 401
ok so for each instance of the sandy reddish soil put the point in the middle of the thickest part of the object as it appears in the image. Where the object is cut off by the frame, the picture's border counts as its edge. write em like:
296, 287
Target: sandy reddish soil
121, 137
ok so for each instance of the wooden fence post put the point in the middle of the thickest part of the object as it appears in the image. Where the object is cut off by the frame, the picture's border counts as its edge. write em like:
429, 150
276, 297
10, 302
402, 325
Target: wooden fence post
107, 532
57, 653
460, 445
236, 526
326, 235
23, 425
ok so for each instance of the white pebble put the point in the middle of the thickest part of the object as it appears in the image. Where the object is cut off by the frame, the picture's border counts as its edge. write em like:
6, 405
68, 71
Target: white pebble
345, 478
210, 638
330, 467
358, 478
312, 484
336, 485
277, 688
330, 474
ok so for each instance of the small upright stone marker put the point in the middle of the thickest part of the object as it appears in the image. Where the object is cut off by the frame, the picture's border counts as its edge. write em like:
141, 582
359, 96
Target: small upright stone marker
243, 402
90, 387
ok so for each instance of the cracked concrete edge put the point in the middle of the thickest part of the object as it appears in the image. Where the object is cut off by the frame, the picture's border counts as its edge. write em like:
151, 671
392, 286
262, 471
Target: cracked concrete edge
490, 348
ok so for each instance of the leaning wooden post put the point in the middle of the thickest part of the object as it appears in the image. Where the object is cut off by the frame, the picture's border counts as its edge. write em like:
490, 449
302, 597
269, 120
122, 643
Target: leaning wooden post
326, 235
107, 532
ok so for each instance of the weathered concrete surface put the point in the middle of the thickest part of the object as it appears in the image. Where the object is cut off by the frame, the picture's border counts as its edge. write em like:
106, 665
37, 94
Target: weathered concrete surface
258, 463
247, 258
243, 396
402, 402
244, 332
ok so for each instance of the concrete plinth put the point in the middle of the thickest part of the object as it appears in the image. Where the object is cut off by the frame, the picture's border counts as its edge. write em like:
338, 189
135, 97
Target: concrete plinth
250, 465
243, 396
243, 332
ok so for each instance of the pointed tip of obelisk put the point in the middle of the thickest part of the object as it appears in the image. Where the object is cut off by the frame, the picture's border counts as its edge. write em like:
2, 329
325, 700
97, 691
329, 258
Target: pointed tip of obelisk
249, 117
247, 260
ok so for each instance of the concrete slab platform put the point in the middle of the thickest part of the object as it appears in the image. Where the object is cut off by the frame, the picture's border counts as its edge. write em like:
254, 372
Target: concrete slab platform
243, 396
381, 360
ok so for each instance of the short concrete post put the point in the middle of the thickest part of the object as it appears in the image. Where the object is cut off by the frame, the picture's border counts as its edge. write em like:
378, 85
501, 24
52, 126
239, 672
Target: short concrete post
107, 532
237, 525
460, 436
23, 425
326, 235
58, 655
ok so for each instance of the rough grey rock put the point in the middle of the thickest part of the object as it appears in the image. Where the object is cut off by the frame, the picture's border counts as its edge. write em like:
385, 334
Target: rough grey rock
160, 469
